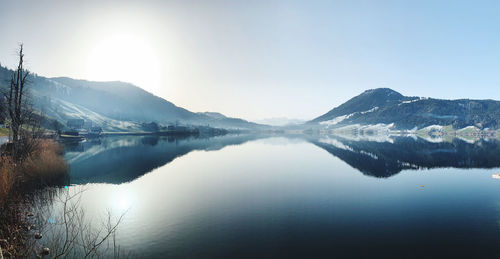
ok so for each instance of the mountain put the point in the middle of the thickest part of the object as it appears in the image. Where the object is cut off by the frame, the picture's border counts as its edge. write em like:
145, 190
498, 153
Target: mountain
221, 120
386, 106
116, 106
280, 121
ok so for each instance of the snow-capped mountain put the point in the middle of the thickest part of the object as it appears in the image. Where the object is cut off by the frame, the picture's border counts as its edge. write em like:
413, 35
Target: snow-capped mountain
385, 107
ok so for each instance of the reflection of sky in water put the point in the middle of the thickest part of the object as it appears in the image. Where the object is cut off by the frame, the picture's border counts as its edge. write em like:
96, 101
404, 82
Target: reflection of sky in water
267, 195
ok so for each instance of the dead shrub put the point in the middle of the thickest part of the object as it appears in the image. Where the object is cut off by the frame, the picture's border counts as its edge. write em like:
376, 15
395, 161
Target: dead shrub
6, 177
45, 166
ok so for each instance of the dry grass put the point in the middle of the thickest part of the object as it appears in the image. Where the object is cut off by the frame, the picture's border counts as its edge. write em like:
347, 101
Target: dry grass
6, 177
4, 132
43, 166
46, 166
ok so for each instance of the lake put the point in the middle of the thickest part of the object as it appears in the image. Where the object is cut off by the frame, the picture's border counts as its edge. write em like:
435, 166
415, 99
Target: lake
293, 195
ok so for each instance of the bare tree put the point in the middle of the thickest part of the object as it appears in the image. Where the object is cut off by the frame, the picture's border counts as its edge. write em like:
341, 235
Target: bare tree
18, 83
24, 122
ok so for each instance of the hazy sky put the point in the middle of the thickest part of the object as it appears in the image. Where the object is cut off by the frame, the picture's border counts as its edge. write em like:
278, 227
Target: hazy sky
261, 59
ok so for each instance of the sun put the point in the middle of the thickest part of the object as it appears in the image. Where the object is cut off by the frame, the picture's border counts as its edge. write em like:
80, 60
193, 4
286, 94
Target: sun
124, 57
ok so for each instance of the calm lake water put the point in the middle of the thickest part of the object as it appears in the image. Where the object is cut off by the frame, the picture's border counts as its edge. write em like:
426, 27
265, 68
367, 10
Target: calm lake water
294, 196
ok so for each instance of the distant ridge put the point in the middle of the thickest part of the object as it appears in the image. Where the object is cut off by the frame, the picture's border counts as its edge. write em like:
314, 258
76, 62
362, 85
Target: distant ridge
386, 106
117, 106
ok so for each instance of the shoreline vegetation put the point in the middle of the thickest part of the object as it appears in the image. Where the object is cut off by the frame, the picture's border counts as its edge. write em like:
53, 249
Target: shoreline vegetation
19, 180
28, 163
38, 217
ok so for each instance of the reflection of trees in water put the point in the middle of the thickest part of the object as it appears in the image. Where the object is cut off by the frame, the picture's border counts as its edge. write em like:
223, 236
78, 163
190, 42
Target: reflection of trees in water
52, 220
384, 159
124, 158
150, 140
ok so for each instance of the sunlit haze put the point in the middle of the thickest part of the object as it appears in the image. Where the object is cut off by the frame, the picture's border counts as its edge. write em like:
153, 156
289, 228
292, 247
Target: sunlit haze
262, 59
126, 58
249, 129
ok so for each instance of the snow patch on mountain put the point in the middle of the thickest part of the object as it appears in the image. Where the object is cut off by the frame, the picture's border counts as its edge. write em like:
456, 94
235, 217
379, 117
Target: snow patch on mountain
335, 120
376, 133
412, 101
339, 119
370, 110
374, 128
64, 110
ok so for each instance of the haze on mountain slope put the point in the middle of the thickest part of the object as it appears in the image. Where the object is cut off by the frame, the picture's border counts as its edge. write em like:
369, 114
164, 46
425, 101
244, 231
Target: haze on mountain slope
116, 106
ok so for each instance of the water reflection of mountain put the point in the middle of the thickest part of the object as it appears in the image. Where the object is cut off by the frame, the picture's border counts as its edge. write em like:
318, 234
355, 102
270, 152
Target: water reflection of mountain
384, 159
123, 159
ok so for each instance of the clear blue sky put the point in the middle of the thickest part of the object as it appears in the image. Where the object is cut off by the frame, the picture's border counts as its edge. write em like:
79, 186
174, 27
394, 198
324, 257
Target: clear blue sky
260, 59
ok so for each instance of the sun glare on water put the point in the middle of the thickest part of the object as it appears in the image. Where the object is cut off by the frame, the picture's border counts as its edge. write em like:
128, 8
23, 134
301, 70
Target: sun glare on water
122, 199
124, 57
